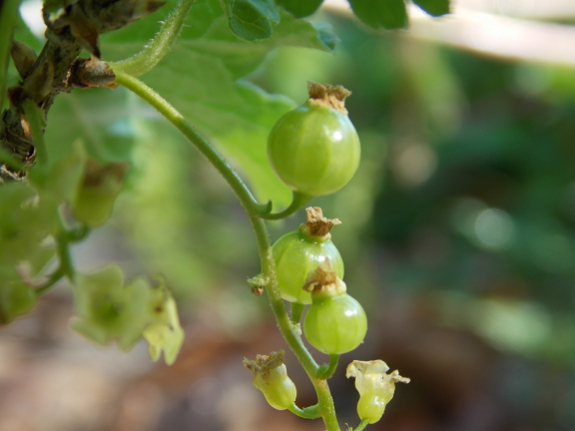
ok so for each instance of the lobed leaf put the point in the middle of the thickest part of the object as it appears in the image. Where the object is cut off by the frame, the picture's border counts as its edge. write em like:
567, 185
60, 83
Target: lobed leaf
252, 20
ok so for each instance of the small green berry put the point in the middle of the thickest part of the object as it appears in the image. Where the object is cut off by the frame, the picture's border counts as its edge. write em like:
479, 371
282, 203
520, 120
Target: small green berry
270, 377
315, 149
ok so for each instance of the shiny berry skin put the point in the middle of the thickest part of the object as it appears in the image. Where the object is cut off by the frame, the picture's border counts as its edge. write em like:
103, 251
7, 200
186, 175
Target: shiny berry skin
296, 254
315, 149
279, 390
335, 325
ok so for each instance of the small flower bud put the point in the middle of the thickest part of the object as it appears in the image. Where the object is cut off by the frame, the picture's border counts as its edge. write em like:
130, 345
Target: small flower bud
96, 196
23, 56
270, 377
375, 387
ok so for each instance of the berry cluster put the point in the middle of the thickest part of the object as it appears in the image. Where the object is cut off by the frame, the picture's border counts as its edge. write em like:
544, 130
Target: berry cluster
315, 150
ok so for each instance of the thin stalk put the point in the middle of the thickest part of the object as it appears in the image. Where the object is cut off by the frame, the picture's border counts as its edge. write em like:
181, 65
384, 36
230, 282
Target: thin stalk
159, 46
326, 371
66, 267
298, 201
311, 412
296, 312
173, 116
66, 264
362, 425
325, 400
293, 339
54, 278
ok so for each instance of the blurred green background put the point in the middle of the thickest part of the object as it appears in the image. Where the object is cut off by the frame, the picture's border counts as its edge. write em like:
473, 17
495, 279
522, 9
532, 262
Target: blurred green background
458, 237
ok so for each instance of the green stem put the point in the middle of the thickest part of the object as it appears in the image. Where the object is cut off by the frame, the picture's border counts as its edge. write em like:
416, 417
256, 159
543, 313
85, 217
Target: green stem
35, 118
253, 209
66, 267
298, 201
296, 312
292, 337
311, 412
54, 278
8, 14
326, 371
173, 116
361, 425
160, 45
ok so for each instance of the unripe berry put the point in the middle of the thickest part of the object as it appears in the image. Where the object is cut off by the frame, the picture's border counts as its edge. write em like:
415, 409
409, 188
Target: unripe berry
315, 149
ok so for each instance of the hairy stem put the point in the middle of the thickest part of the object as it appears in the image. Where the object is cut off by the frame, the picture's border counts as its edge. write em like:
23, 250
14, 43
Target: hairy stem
296, 312
173, 116
292, 337
325, 401
362, 425
326, 371
160, 45
311, 412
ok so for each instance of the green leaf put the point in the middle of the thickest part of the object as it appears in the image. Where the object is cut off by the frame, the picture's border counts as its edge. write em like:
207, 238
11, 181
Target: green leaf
208, 63
433, 7
62, 178
25, 222
389, 14
300, 8
252, 19
100, 117
326, 35
16, 297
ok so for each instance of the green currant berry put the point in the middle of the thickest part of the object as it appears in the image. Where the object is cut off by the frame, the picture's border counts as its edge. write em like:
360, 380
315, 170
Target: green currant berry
270, 377
298, 253
335, 323
315, 149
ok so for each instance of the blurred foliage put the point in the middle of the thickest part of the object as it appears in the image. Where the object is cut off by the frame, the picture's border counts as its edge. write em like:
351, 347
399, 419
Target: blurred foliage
469, 184
465, 199
476, 193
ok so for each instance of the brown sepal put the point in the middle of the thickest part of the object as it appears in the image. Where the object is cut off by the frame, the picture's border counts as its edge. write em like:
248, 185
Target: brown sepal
317, 224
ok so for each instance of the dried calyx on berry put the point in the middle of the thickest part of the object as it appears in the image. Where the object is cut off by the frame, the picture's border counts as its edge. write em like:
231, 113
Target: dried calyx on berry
315, 149
270, 377
335, 323
298, 253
